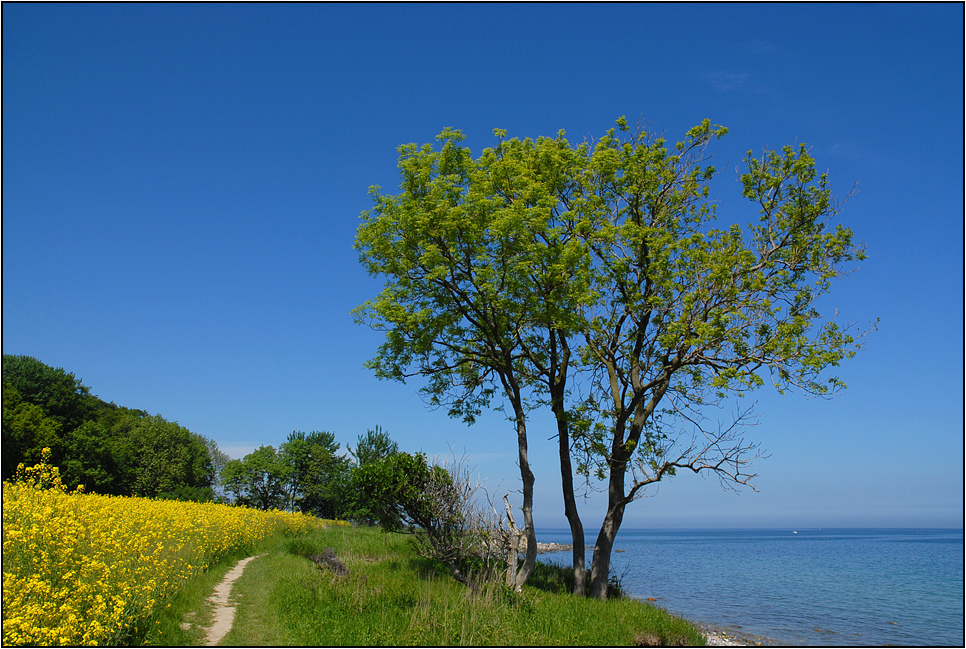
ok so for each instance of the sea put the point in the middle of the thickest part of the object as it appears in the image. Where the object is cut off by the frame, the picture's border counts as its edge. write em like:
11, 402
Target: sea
802, 587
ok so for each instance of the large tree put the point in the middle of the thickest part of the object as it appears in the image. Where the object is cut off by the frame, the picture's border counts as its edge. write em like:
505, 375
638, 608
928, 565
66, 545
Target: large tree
690, 313
593, 280
258, 480
317, 475
456, 297
539, 182
165, 459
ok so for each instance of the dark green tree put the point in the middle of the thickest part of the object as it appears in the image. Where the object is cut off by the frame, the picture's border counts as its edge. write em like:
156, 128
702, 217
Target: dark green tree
92, 459
373, 446
167, 460
59, 393
258, 480
395, 488
26, 431
107, 448
317, 475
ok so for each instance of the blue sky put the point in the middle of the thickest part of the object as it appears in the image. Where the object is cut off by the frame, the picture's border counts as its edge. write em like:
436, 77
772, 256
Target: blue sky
182, 184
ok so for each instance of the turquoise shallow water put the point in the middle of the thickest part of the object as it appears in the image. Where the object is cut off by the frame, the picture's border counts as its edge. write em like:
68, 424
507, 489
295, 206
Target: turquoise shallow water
799, 587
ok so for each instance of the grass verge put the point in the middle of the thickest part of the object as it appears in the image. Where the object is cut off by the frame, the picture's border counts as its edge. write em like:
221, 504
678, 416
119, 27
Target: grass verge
390, 597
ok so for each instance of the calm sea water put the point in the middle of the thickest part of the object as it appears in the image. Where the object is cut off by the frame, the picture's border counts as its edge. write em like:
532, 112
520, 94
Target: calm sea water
799, 587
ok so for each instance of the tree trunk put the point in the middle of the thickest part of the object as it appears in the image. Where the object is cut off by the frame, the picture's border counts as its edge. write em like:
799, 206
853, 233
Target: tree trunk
515, 535
570, 501
600, 569
530, 558
616, 495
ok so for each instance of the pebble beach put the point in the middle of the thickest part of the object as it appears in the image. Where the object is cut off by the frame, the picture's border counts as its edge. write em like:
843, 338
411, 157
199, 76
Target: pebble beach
716, 637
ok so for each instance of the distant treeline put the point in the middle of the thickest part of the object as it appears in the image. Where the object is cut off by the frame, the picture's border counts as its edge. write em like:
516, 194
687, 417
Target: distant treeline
107, 448
120, 451
307, 473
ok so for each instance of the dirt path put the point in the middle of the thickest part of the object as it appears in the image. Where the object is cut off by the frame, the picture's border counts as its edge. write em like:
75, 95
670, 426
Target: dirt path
223, 615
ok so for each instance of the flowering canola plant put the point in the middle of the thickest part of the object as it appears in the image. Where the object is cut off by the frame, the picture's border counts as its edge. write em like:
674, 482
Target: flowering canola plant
85, 569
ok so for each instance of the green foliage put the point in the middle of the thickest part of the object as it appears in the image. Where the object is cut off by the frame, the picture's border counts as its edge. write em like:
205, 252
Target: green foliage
258, 480
165, 459
465, 251
374, 446
317, 476
26, 431
92, 459
41, 405
696, 312
494, 265
59, 393
394, 490
307, 473
284, 599
107, 448
487, 259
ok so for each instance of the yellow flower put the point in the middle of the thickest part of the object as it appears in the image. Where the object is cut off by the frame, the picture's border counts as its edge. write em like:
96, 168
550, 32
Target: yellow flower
80, 568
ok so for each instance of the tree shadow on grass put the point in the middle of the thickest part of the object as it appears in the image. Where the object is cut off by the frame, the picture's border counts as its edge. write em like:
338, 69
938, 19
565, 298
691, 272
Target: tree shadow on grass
560, 579
427, 568
546, 577
552, 579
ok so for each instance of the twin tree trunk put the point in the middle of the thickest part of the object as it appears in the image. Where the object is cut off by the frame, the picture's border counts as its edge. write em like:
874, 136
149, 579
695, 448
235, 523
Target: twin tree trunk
556, 378
617, 498
570, 502
600, 571
530, 558
469, 251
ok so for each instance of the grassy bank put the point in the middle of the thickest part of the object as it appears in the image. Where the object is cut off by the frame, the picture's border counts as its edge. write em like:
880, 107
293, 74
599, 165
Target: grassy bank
389, 596
94, 570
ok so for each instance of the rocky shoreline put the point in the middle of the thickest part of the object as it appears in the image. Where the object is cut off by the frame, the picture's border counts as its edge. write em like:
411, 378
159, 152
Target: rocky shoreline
544, 548
729, 637
717, 638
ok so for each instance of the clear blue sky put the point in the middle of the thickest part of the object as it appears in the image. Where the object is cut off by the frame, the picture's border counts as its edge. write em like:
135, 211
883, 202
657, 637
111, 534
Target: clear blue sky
182, 184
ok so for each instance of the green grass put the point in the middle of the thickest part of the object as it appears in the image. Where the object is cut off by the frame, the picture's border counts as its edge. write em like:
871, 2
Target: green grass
391, 597
190, 605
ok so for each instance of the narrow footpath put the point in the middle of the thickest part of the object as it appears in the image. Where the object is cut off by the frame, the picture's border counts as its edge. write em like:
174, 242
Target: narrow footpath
223, 615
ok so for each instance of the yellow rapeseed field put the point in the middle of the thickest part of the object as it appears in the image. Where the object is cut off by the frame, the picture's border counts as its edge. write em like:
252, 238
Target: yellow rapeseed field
84, 569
